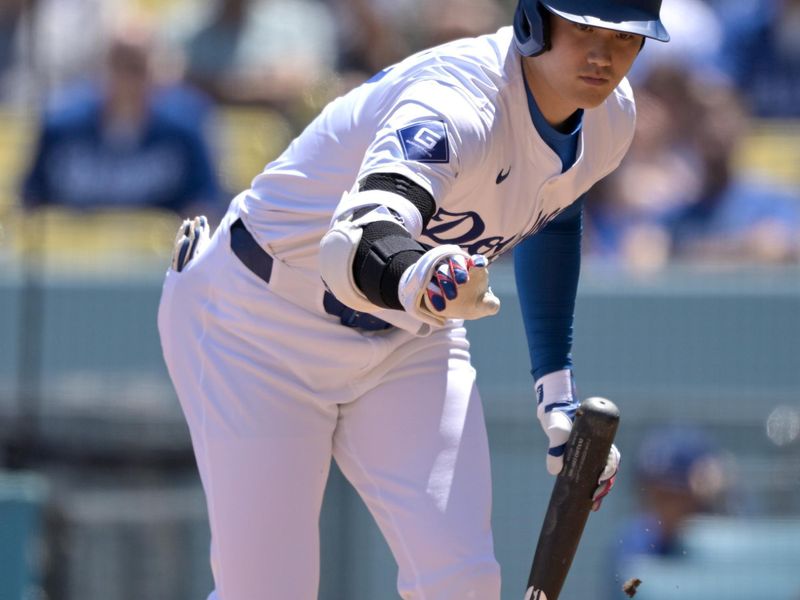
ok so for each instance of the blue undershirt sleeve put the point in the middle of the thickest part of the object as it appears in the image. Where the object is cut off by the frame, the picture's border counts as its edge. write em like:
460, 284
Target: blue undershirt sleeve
546, 268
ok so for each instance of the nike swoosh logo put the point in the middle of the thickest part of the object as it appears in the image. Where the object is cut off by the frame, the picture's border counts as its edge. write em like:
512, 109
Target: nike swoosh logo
501, 177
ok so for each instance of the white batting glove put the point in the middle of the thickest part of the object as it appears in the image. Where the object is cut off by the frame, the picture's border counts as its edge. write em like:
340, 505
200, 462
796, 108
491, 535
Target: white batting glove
556, 407
447, 283
192, 237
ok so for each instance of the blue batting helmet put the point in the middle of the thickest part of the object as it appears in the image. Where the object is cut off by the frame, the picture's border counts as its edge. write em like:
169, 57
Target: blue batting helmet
631, 16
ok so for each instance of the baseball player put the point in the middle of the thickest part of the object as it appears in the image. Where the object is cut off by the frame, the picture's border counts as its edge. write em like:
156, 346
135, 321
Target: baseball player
325, 317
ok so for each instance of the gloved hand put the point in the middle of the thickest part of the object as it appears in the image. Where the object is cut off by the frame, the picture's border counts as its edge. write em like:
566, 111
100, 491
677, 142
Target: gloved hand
556, 407
447, 283
192, 237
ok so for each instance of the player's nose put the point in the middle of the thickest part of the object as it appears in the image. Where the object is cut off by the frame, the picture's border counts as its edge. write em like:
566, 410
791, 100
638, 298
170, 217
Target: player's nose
599, 52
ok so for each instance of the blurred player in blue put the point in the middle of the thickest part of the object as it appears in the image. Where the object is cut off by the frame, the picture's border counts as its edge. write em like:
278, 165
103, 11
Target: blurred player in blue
679, 474
325, 317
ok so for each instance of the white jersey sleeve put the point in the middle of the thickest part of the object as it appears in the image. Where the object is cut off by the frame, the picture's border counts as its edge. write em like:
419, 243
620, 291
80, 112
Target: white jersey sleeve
432, 134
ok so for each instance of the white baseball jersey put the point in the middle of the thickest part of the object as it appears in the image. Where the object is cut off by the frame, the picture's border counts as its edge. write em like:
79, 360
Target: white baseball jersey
455, 120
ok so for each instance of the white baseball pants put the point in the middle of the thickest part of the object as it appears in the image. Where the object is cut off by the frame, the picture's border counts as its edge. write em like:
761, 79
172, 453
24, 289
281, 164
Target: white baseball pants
273, 389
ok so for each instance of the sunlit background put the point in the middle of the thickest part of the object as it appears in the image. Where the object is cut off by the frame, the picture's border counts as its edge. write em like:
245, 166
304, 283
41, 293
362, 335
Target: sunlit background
688, 311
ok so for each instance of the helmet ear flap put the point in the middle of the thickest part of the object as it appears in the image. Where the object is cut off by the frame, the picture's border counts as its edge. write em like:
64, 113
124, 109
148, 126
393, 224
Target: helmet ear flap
545, 16
532, 28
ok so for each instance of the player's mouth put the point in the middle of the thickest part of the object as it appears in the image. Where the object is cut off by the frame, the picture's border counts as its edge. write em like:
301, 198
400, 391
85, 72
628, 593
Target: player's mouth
594, 80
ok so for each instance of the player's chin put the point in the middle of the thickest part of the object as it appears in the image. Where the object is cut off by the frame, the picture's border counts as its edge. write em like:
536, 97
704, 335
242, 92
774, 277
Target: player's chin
594, 97
591, 93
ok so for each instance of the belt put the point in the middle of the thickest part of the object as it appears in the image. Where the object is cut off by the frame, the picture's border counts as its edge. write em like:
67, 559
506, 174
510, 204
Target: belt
255, 258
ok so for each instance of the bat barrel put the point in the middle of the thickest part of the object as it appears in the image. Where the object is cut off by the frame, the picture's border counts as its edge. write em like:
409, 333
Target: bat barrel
590, 441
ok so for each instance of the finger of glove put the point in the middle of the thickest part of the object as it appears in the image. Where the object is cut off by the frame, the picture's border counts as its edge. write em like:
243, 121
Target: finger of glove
477, 261
445, 279
459, 268
450, 274
202, 229
607, 478
181, 255
602, 491
181, 245
183, 231
436, 296
557, 426
199, 236
612, 465
443, 286
195, 240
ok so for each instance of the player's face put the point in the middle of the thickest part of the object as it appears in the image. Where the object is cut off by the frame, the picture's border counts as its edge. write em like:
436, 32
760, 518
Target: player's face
581, 69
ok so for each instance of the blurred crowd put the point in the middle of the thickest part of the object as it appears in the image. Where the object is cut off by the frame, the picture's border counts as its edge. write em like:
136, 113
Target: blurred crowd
683, 193
126, 93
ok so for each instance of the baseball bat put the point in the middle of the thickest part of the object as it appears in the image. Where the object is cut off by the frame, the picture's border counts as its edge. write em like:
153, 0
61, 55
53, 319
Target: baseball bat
590, 440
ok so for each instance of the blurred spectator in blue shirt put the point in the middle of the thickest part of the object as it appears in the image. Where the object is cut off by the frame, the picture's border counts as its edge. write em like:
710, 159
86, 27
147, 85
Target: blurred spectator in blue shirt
678, 194
125, 142
762, 53
744, 222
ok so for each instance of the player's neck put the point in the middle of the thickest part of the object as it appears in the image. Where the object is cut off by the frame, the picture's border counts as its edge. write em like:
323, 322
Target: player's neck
556, 111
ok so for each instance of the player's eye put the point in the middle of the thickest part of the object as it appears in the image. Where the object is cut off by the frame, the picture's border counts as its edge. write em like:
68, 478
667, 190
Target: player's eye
625, 36
584, 27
